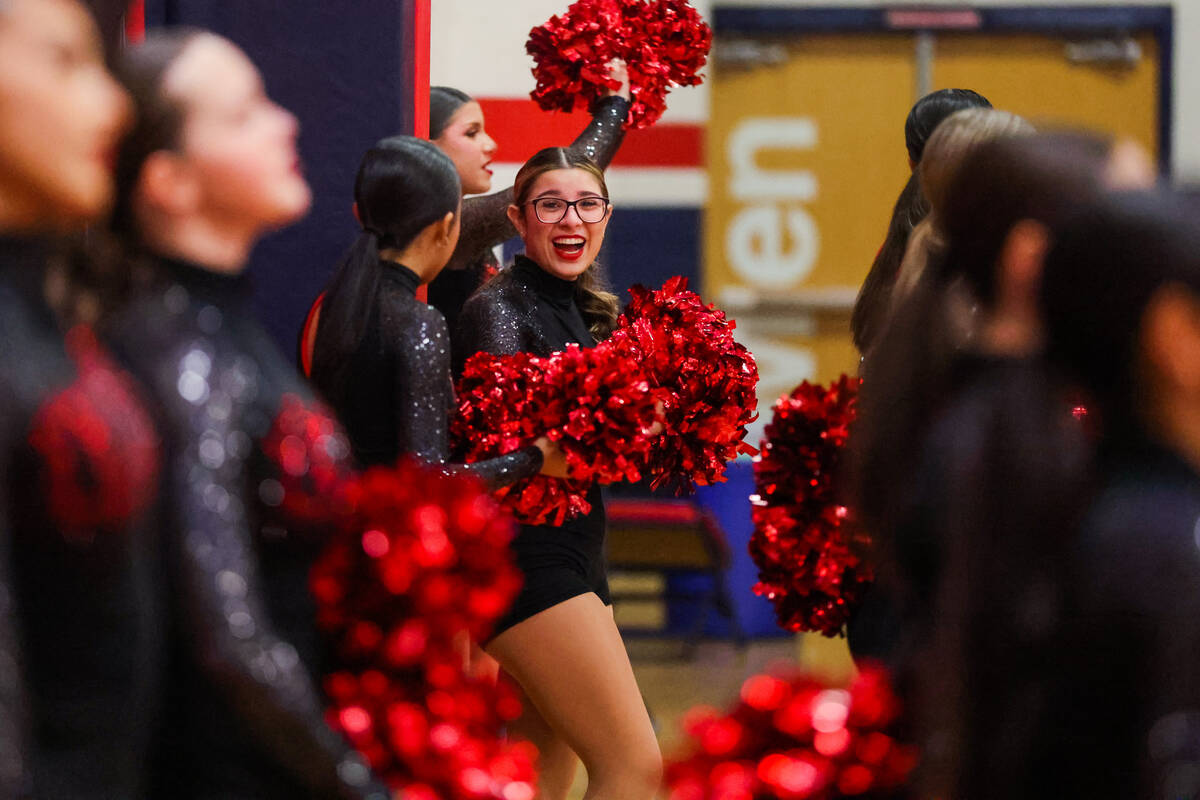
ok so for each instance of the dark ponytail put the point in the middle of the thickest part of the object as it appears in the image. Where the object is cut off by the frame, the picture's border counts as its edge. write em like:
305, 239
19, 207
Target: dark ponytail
911, 370
403, 186
930, 111
875, 296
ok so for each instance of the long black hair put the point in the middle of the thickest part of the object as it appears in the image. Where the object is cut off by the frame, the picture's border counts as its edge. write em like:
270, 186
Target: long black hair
1040, 177
970, 472
404, 185
1012, 500
874, 298
443, 102
929, 112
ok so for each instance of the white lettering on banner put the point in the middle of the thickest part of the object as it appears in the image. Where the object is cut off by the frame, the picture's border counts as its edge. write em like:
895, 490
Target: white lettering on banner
754, 245
750, 182
754, 240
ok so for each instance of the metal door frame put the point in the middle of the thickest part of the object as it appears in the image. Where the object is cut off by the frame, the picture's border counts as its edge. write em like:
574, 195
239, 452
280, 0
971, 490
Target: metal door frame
776, 21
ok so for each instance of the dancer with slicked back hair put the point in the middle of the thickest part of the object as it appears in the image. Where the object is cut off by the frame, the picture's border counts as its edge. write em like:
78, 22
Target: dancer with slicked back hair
209, 168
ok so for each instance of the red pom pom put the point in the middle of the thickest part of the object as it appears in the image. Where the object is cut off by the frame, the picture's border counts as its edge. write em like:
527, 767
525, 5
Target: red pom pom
808, 550
542, 500
590, 401
602, 407
791, 737
424, 566
664, 43
687, 349
314, 479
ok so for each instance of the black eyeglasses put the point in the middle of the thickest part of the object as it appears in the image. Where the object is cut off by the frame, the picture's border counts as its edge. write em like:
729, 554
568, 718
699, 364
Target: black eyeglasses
553, 209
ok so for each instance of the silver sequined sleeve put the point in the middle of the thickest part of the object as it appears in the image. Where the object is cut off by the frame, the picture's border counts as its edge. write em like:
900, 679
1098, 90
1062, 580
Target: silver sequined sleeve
261, 673
602, 137
485, 219
426, 399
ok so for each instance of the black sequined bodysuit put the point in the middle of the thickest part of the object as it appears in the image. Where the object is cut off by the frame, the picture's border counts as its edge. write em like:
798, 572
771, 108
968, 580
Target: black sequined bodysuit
485, 222
82, 600
529, 310
250, 456
397, 396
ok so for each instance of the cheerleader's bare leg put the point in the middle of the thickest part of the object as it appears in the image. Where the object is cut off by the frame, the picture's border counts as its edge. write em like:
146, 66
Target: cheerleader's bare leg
572, 665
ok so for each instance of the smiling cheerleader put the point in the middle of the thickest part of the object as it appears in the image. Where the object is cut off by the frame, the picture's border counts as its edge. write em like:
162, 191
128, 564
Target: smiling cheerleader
559, 641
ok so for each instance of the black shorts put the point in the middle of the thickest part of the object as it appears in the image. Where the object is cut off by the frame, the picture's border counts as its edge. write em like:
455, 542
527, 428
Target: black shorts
558, 564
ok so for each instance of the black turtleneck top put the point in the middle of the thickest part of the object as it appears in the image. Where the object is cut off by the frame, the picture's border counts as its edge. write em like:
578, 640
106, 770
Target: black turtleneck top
82, 596
1123, 717
251, 464
485, 222
526, 309
397, 396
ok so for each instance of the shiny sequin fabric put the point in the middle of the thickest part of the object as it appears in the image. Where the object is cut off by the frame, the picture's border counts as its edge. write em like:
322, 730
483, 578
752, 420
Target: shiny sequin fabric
82, 596
249, 456
528, 310
397, 397
485, 221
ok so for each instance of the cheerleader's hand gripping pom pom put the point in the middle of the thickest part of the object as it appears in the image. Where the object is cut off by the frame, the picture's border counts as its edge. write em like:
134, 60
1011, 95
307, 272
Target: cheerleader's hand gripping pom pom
706, 379
811, 556
663, 43
593, 404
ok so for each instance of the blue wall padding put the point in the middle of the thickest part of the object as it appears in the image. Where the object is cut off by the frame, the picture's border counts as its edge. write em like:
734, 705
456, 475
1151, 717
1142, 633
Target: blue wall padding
649, 245
342, 70
730, 503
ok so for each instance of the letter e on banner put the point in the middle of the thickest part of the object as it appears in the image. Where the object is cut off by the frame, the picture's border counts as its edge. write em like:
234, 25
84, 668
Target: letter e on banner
755, 244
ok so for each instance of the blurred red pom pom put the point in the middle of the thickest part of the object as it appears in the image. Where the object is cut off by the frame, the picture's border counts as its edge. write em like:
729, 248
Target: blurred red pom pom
664, 43
708, 380
792, 738
314, 476
424, 566
809, 552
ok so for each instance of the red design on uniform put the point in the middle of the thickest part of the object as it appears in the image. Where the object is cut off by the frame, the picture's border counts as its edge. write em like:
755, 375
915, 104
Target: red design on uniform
97, 445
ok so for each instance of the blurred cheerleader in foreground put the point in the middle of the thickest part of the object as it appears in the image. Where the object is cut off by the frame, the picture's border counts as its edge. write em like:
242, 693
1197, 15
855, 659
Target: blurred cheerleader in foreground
972, 466
1122, 713
253, 464
81, 591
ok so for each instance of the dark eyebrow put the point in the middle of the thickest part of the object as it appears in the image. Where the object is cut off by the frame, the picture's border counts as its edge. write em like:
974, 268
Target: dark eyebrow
559, 195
